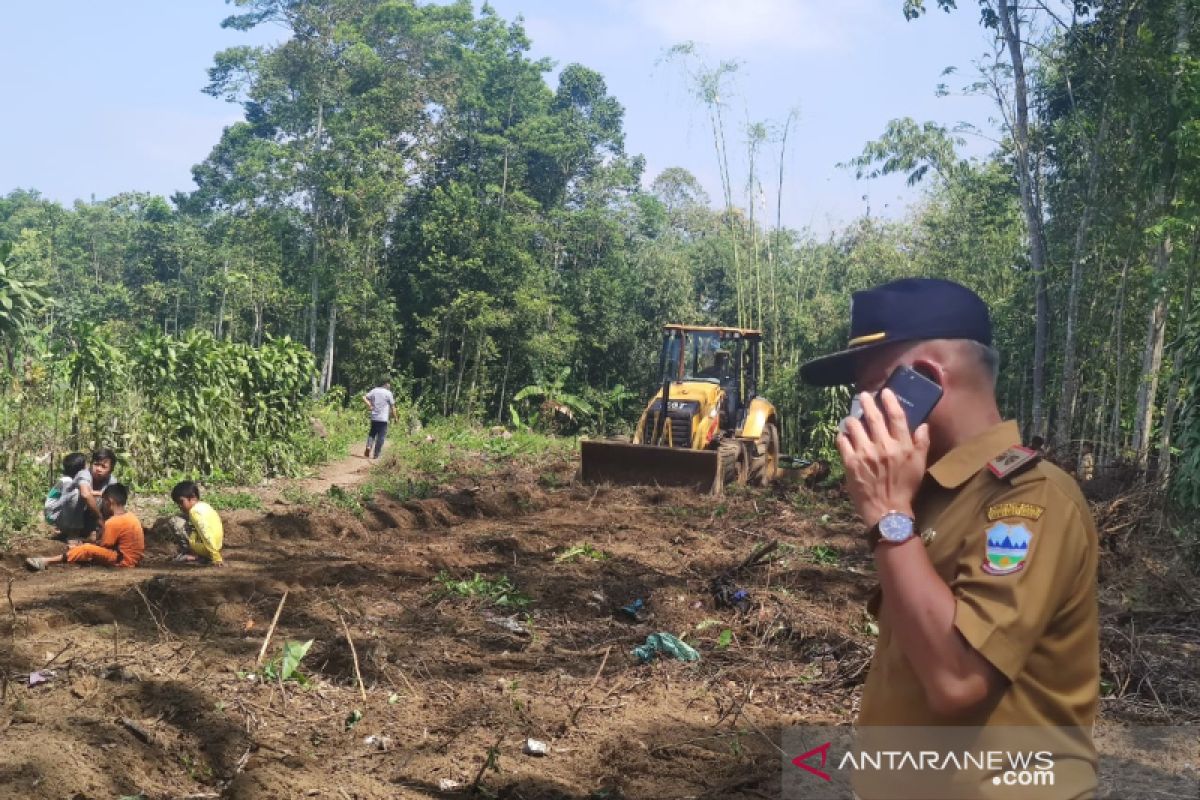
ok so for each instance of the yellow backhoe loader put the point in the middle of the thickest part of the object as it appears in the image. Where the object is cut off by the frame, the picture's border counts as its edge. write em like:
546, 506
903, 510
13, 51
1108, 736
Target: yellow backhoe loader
706, 426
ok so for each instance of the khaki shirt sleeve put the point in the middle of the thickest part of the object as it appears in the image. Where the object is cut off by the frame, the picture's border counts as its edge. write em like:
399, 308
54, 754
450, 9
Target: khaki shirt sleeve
1002, 611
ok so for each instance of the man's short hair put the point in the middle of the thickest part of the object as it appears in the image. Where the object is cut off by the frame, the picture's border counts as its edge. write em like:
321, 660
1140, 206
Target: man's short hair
104, 454
117, 493
989, 359
185, 489
73, 464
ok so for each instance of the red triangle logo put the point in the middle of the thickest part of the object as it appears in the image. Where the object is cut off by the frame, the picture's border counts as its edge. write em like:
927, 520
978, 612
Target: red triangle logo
801, 761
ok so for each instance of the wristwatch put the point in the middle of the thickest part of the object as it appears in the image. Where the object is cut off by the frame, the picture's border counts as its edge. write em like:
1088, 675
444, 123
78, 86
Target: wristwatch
893, 528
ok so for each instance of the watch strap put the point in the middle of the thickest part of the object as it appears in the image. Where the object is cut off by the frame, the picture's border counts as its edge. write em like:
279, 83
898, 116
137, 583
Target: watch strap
874, 537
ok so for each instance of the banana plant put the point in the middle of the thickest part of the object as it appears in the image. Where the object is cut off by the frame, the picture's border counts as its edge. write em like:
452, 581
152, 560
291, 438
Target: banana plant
556, 401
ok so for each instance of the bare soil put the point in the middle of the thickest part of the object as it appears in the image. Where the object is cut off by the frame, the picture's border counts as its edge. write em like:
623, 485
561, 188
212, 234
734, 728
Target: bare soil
155, 692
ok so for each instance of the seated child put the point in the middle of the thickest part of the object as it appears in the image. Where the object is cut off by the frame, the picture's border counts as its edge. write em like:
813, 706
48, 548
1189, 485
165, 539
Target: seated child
64, 507
203, 544
92, 483
121, 545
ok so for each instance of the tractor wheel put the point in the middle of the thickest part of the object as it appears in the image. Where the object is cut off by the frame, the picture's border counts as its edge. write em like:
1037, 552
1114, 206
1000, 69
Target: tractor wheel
768, 461
735, 464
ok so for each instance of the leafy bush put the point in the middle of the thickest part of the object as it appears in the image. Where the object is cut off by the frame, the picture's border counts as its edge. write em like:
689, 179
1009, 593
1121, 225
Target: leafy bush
193, 407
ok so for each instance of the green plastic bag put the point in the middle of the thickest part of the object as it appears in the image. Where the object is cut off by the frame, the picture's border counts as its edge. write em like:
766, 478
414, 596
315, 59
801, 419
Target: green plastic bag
665, 643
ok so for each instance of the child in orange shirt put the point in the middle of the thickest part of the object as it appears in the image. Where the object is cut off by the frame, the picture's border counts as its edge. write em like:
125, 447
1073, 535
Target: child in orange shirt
121, 545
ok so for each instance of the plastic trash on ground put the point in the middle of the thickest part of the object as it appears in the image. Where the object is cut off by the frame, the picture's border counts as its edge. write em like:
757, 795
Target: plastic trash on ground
665, 643
42, 676
535, 747
635, 611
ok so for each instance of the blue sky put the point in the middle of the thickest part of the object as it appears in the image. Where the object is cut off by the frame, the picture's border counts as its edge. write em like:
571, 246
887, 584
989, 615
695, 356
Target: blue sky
103, 97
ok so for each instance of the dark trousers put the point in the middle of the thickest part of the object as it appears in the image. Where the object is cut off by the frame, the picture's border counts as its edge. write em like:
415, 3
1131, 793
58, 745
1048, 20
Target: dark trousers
377, 435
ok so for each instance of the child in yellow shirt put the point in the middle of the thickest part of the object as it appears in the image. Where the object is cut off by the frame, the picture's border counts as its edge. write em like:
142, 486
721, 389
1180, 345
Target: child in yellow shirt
202, 543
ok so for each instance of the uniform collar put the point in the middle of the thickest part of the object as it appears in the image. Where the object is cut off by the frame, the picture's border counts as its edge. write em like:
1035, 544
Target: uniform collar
957, 466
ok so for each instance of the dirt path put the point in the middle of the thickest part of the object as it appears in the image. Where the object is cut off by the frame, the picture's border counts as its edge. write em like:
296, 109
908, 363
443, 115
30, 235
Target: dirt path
345, 473
350, 471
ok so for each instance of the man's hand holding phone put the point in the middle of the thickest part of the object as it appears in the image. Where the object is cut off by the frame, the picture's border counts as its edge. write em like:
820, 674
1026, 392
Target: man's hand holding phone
885, 463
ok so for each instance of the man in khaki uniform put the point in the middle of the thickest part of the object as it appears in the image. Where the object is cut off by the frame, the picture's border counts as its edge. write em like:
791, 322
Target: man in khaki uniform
986, 555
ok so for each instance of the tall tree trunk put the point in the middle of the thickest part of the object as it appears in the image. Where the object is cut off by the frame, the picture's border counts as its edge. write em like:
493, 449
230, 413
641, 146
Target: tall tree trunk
1166, 196
219, 327
504, 385
1083, 438
96, 261
1083, 226
315, 281
1168, 422
1008, 15
475, 370
1114, 429
718, 126
751, 181
462, 368
504, 179
330, 338
445, 365
777, 338
1066, 403
256, 335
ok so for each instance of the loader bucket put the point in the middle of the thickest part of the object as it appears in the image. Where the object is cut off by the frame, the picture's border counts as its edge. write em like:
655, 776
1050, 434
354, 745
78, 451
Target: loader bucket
638, 464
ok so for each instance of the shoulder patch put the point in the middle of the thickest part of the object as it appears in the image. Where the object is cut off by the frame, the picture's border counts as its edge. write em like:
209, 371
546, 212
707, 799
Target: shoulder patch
1006, 510
1012, 460
1007, 548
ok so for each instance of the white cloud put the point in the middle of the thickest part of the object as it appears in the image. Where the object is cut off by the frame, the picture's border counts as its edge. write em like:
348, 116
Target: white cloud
735, 25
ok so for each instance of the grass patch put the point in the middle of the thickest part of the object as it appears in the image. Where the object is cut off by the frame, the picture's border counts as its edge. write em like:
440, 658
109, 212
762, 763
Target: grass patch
450, 447
296, 496
499, 592
232, 500
823, 555
344, 500
585, 550
396, 487
820, 554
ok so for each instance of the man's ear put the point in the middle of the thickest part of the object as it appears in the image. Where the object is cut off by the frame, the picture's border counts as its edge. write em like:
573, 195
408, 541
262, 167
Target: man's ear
930, 369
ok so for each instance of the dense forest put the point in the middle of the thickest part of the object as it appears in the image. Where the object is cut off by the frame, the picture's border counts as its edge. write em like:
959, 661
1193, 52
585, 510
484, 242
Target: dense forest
408, 192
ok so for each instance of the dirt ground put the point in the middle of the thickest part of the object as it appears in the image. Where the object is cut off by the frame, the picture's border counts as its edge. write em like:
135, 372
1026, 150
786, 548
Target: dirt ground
155, 692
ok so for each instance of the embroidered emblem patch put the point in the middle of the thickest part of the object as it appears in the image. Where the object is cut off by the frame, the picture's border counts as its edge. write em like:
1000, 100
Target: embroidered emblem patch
1007, 548
1025, 510
1011, 460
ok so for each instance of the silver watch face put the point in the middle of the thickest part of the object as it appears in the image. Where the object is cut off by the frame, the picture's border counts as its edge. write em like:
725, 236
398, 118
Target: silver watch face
896, 528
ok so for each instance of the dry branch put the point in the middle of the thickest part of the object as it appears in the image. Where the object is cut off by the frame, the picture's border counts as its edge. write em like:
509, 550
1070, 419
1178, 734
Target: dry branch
137, 730
162, 631
592, 685
271, 631
362, 690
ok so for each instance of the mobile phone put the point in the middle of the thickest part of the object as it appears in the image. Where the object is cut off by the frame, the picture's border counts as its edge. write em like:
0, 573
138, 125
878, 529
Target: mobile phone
916, 394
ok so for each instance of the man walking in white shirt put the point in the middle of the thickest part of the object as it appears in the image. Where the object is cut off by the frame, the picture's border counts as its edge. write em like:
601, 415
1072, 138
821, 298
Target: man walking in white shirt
382, 404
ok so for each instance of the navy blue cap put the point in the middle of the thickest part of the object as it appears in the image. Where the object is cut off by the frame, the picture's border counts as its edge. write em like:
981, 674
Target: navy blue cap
907, 310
